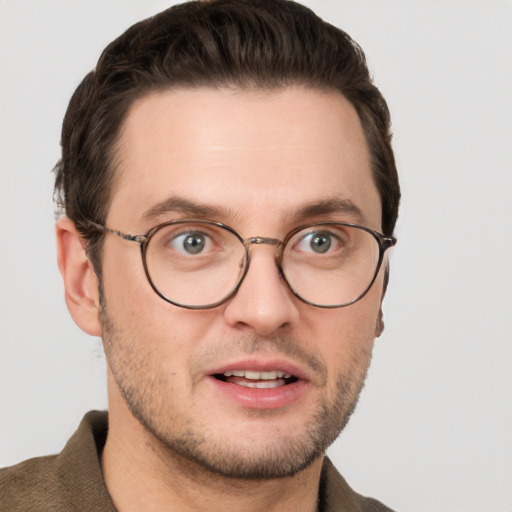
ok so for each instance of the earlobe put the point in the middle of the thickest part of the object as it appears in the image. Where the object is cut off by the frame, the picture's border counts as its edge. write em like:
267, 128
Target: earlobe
80, 281
379, 326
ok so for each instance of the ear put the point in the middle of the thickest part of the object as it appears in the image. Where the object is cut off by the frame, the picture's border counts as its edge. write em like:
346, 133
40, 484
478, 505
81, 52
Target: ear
80, 281
379, 326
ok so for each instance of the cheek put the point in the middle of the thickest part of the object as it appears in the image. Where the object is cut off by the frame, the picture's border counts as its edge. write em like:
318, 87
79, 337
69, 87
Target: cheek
355, 343
151, 326
346, 336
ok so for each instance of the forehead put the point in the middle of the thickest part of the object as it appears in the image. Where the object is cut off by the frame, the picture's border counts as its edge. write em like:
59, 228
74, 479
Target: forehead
250, 154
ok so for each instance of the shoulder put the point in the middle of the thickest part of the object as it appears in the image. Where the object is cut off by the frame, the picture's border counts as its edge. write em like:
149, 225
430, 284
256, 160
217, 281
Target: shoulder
71, 481
337, 495
31, 485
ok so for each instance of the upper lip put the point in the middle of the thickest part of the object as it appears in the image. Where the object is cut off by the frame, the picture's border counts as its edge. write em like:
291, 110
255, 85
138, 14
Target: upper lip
259, 364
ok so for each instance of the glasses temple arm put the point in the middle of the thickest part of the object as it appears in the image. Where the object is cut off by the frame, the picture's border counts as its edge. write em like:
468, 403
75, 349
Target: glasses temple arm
124, 236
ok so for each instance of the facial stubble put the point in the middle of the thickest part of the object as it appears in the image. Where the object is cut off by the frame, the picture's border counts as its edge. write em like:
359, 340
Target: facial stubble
145, 388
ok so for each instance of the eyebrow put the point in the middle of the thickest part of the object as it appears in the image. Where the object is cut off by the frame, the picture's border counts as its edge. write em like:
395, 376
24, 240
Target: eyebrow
335, 205
182, 206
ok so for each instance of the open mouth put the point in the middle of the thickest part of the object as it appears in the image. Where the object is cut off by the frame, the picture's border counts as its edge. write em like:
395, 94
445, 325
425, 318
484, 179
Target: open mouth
254, 379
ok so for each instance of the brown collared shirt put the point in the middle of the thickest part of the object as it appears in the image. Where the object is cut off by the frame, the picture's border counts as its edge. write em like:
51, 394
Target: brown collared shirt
72, 481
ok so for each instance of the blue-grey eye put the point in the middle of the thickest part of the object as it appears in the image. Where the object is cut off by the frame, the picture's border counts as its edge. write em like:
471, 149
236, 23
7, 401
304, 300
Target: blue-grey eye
191, 243
318, 242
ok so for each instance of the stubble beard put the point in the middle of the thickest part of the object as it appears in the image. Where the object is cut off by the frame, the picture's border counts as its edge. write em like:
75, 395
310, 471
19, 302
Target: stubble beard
286, 456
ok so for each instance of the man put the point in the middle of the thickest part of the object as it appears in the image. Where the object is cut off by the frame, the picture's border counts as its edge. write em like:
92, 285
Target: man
229, 194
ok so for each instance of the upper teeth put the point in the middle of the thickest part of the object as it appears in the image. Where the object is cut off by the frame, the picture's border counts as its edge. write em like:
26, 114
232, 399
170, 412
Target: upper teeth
257, 375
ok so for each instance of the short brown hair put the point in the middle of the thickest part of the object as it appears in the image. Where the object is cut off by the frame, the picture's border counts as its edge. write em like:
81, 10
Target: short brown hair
235, 43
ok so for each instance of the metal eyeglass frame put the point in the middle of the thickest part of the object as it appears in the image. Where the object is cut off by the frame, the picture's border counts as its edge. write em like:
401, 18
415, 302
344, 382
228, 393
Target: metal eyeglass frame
384, 242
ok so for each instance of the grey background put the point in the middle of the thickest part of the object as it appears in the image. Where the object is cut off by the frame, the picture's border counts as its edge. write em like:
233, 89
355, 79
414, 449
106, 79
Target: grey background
433, 427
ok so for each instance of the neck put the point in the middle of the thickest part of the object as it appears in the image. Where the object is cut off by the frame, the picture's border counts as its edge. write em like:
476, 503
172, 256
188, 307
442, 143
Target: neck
141, 474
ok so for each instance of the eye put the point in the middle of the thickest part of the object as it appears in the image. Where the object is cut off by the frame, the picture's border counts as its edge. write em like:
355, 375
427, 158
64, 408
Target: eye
191, 242
318, 242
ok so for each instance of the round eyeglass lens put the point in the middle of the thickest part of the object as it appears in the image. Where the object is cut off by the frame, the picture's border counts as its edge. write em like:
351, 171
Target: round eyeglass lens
330, 264
194, 264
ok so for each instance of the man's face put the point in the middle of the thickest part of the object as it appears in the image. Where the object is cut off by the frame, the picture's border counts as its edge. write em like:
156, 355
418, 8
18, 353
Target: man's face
256, 161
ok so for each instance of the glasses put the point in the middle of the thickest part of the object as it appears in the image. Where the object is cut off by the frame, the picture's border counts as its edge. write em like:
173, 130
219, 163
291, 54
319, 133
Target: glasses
200, 264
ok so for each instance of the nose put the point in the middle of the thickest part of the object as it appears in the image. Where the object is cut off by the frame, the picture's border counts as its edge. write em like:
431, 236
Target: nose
263, 303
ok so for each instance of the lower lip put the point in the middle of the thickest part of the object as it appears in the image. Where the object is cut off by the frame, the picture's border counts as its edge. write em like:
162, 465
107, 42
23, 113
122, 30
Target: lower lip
257, 398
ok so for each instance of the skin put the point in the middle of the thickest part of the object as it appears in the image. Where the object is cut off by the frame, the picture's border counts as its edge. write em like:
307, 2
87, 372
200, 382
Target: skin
257, 158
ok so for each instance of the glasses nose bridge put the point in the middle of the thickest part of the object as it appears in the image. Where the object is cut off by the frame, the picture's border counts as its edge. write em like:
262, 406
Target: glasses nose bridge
257, 240
262, 240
